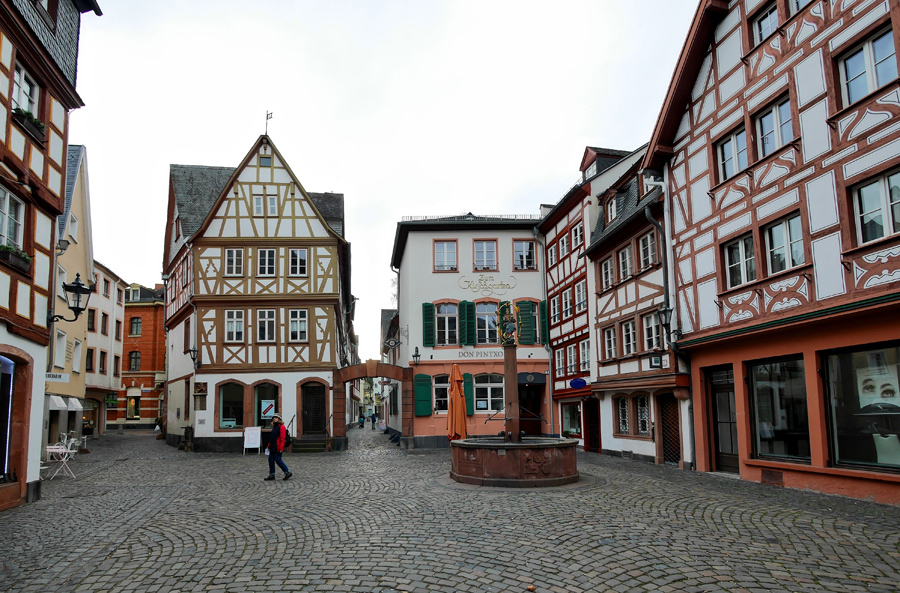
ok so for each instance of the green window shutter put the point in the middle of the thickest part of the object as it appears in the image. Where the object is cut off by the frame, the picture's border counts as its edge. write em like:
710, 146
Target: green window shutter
469, 391
526, 323
545, 324
428, 324
422, 387
462, 324
471, 334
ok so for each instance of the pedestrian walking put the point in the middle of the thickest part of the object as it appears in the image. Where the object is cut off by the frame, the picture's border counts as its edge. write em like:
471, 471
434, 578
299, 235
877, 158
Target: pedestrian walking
362, 420
276, 448
374, 420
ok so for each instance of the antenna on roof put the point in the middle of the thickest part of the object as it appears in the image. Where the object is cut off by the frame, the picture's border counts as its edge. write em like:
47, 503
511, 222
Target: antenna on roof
268, 117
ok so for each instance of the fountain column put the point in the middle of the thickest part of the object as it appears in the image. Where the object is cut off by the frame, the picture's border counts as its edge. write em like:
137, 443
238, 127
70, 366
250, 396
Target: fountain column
510, 372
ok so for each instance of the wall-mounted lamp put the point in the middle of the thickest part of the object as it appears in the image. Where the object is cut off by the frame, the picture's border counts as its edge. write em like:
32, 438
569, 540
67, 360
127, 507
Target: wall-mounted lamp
665, 319
194, 352
77, 297
416, 356
61, 246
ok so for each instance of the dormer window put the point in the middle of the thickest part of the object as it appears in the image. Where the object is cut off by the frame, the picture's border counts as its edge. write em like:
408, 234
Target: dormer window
611, 210
591, 170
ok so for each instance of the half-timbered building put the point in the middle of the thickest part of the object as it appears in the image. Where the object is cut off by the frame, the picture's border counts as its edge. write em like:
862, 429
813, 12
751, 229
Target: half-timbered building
779, 149
640, 387
565, 229
38, 66
457, 276
258, 303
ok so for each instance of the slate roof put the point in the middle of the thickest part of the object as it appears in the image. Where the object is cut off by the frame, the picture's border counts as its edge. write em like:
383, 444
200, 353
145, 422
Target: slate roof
628, 206
73, 161
196, 190
387, 315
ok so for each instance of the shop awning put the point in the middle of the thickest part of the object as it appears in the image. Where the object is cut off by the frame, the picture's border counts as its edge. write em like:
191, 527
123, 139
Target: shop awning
75, 405
57, 403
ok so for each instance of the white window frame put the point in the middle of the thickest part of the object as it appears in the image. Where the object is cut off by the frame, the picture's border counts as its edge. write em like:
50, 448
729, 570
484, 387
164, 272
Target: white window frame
789, 232
265, 326
521, 251
485, 259
443, 252
782, 131
73, 227
611, 210
577, 235
76, 356
563, 246
731, 154
61, 278
870, 71
765, 23
234, 261
581, 296
441, 394
234, 325
609, 343
551, 255
266, 263
647, 245
607, 273
652, 332
560, 356
297, 255
59, 352
571, 359
298, 325
489, 314
12, 215
796, 5
489, 388
744, 244
272, 204
259, 205
885, 210
444, 318
626, 262
584, 348
629, 338
26, 92
554, 309
567, 303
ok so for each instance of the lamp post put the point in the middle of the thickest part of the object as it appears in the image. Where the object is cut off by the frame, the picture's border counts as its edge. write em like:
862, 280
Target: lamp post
77, 297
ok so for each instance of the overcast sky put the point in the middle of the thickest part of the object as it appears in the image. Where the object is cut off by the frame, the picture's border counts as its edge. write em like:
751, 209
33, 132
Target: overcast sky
406, 107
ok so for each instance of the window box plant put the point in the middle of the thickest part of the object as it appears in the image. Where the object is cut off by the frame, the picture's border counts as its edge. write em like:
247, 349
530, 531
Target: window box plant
30, 124
15, 257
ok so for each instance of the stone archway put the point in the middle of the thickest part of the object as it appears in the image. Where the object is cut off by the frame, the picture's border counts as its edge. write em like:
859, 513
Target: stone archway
370, 369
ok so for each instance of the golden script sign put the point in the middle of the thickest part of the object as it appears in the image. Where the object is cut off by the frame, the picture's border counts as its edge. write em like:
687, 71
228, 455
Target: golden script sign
487, 285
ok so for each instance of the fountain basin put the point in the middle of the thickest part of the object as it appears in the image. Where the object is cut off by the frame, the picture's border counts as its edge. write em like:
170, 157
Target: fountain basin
533, 463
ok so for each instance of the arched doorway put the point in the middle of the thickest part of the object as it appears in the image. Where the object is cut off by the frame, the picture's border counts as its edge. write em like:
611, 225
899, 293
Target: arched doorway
371, 369
313, 409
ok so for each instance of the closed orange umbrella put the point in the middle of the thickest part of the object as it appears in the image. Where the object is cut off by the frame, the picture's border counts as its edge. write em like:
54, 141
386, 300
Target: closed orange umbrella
456, 406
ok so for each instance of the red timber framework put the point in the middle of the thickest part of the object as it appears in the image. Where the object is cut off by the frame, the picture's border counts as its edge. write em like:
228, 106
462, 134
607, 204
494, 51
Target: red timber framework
372, 369
779, 144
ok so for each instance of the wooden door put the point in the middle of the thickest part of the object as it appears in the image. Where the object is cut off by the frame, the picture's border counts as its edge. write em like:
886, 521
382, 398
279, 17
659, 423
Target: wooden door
530, 409
592, 425
313, 409
671, 434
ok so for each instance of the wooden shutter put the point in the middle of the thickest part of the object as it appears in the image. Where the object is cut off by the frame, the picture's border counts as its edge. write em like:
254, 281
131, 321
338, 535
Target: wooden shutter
467, 335
526, 323
428, 324
469, 391
545, 324
422, 389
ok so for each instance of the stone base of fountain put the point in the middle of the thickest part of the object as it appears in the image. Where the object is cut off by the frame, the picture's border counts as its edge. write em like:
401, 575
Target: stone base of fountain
533, 463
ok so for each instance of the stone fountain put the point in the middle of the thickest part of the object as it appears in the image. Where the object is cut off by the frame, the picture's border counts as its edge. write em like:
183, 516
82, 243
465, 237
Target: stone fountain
511, 459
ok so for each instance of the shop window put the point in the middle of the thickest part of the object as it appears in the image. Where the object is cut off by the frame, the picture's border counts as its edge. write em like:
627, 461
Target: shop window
864, 398
231, 406
441, 392
781, 421
265, 403
571, 420
133, 408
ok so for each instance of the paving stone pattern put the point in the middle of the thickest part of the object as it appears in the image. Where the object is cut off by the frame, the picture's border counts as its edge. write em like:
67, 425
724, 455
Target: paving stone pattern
144, 517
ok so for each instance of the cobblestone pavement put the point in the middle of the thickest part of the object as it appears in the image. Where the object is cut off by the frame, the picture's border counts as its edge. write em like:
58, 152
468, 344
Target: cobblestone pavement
145, 517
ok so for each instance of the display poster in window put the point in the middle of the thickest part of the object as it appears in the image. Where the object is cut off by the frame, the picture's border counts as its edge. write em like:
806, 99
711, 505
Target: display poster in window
481, 406
878, 384
268, 409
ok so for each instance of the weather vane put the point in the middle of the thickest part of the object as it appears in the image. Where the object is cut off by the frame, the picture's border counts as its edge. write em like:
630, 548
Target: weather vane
268, 117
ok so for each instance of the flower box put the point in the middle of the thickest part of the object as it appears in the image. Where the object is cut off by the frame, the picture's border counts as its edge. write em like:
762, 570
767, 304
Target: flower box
15, 260
30, 125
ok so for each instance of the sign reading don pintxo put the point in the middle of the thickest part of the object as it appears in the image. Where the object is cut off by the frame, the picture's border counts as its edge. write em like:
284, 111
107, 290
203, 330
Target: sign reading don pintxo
487, 284
481, 354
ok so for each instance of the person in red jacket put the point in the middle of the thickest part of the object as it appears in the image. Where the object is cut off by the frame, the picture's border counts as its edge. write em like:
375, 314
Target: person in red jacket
276, 448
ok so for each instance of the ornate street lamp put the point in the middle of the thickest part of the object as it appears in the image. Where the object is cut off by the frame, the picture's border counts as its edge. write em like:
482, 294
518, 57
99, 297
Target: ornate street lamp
416, 356
194, 352
77, 297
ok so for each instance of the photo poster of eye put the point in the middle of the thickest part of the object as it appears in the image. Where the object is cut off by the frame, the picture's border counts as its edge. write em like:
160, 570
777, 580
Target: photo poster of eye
878, 384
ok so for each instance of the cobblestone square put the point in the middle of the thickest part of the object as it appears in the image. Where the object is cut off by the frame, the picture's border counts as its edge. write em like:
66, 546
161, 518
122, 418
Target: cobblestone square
144, 517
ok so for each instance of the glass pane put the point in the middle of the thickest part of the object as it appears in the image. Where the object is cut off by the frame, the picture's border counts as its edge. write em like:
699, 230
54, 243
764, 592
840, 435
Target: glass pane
854, 74
777, 260
795, 234
779, 398
726, 157
741, 142
784, 116
885, 63
869, 206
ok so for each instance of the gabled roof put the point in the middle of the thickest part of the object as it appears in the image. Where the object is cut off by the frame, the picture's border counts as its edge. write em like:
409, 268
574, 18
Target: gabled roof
604, 157
709, 14
73, 163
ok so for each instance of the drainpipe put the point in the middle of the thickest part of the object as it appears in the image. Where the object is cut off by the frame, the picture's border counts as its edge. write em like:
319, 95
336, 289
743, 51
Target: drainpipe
537, 239
668, 260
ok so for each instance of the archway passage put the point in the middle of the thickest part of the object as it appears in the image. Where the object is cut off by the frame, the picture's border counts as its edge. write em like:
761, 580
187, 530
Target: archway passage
370, 369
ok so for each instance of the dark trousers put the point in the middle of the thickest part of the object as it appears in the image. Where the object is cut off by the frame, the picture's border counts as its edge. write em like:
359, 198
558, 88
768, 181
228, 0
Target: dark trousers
275, 457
